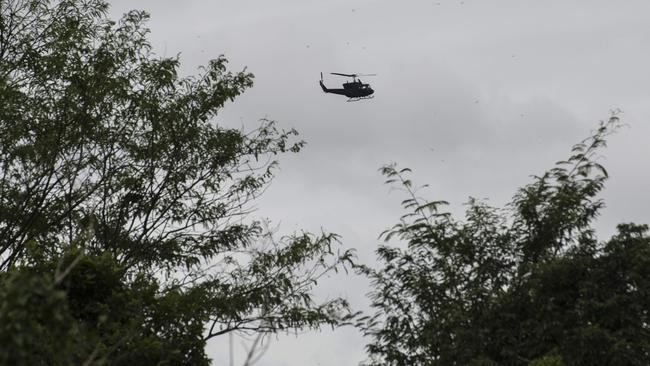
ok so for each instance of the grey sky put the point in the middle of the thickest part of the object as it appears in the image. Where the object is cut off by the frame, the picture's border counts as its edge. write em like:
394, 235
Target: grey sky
475, 96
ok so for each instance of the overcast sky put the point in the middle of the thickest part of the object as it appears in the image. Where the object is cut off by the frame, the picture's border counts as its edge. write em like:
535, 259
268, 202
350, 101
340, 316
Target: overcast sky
474, 96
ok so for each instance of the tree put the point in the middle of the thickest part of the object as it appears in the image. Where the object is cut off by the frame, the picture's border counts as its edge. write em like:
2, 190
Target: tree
528, 284
123, 206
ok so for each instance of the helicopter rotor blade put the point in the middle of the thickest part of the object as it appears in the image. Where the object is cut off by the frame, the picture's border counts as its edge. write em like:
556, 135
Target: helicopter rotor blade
352, 75
348, 75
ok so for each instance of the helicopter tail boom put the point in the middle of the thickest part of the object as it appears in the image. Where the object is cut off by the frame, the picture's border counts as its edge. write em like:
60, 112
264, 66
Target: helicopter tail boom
345, 91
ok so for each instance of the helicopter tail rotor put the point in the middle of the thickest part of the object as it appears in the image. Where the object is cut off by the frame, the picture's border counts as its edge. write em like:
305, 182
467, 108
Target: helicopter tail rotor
323, 85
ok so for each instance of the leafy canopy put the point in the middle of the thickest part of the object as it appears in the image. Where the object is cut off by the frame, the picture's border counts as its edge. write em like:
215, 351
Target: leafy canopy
123, 205
528, 284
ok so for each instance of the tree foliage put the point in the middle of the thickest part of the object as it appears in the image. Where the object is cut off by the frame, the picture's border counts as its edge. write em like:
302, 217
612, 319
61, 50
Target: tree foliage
123, 206
528, 284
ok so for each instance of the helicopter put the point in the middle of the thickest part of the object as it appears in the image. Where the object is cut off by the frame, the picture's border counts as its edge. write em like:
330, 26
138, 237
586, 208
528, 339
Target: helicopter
355, 89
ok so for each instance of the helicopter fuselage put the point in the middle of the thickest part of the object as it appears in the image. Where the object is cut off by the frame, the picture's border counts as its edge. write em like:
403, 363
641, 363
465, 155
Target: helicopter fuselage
354, 89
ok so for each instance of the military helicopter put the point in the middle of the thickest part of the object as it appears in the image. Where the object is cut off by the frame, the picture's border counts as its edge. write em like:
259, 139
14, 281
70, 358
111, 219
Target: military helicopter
355, 89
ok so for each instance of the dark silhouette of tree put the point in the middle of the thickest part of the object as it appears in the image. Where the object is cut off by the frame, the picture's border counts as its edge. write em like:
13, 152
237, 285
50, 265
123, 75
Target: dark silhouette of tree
123, 206
528, 284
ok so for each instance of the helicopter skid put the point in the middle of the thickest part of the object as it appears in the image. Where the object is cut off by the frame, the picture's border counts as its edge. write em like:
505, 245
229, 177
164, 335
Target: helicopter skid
360, 98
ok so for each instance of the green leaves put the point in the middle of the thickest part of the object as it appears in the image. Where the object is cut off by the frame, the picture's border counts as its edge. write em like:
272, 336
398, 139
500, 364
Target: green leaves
35, 325
273, 290
524, 285
560, 205
106, 150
